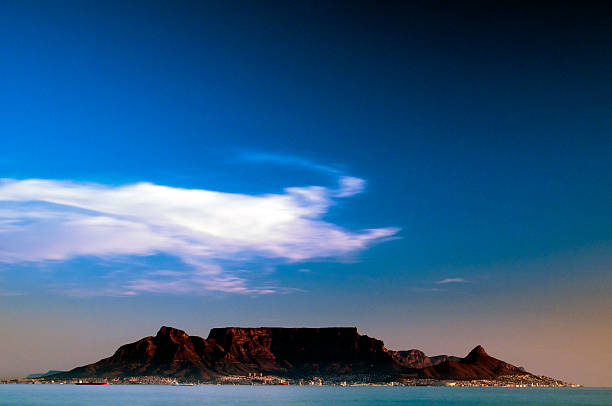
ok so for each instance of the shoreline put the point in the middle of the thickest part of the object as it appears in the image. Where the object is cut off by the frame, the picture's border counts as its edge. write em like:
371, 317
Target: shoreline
310, 383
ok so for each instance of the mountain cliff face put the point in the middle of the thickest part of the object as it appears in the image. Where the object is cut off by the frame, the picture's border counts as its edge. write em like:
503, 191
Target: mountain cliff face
291, 352
300, 351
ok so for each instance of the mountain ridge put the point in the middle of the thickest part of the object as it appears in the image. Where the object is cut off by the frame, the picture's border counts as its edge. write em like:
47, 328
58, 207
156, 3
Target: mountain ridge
288, 352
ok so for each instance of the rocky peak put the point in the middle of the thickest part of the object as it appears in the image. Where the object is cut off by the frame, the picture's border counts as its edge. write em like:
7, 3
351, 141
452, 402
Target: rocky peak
477, 353
171, 333
411, 358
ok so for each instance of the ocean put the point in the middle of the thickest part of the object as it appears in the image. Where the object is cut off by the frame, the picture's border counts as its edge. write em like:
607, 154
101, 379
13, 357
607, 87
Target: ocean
152, 395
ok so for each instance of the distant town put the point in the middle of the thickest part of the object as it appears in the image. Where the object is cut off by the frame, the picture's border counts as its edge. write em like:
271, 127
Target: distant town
518, 381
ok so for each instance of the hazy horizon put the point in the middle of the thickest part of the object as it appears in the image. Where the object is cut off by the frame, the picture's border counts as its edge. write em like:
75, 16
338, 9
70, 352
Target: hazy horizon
436, 174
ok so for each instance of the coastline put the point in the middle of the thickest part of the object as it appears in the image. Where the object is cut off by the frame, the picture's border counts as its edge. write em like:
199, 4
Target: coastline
523, 381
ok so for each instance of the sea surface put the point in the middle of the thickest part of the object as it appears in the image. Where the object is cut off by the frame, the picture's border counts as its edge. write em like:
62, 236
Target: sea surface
151, 395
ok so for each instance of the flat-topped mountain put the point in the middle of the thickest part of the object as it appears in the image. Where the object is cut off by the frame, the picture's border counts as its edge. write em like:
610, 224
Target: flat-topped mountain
240, 351
289, 352
300, 351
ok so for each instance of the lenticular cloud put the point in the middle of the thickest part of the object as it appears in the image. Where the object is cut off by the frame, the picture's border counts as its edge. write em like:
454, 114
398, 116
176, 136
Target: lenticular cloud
44, 220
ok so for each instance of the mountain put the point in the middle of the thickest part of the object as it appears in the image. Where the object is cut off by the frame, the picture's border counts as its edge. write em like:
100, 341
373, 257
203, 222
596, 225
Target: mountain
476, 365
301, 351
170, 353
42, 375
234, 350
289, 352
417, 359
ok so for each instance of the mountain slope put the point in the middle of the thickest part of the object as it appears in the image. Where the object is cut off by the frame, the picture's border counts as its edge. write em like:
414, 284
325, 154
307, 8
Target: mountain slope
476, 365
43, 374
170, 353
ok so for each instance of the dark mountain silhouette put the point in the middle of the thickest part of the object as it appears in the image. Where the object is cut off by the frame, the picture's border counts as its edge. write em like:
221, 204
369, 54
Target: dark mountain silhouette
476, 365
290, 352
301, 351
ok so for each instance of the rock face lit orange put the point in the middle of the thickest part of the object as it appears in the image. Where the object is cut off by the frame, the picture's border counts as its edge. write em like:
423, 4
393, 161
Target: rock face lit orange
290, 352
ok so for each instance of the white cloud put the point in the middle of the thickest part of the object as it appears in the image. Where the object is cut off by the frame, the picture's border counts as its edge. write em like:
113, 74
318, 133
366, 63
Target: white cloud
451, 280
44, 220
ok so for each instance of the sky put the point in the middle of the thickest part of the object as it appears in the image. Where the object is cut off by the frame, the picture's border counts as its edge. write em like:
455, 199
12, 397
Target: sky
436, 174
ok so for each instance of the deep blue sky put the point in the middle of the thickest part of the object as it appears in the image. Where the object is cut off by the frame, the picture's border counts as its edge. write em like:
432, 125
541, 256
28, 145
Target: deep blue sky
482, 132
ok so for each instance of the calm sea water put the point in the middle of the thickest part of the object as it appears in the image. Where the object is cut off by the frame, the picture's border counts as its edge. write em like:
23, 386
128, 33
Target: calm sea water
68, 395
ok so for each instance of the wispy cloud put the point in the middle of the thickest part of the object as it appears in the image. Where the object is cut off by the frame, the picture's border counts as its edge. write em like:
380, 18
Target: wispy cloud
425, 290
43, 220
451, 280
278, 159
349, 186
